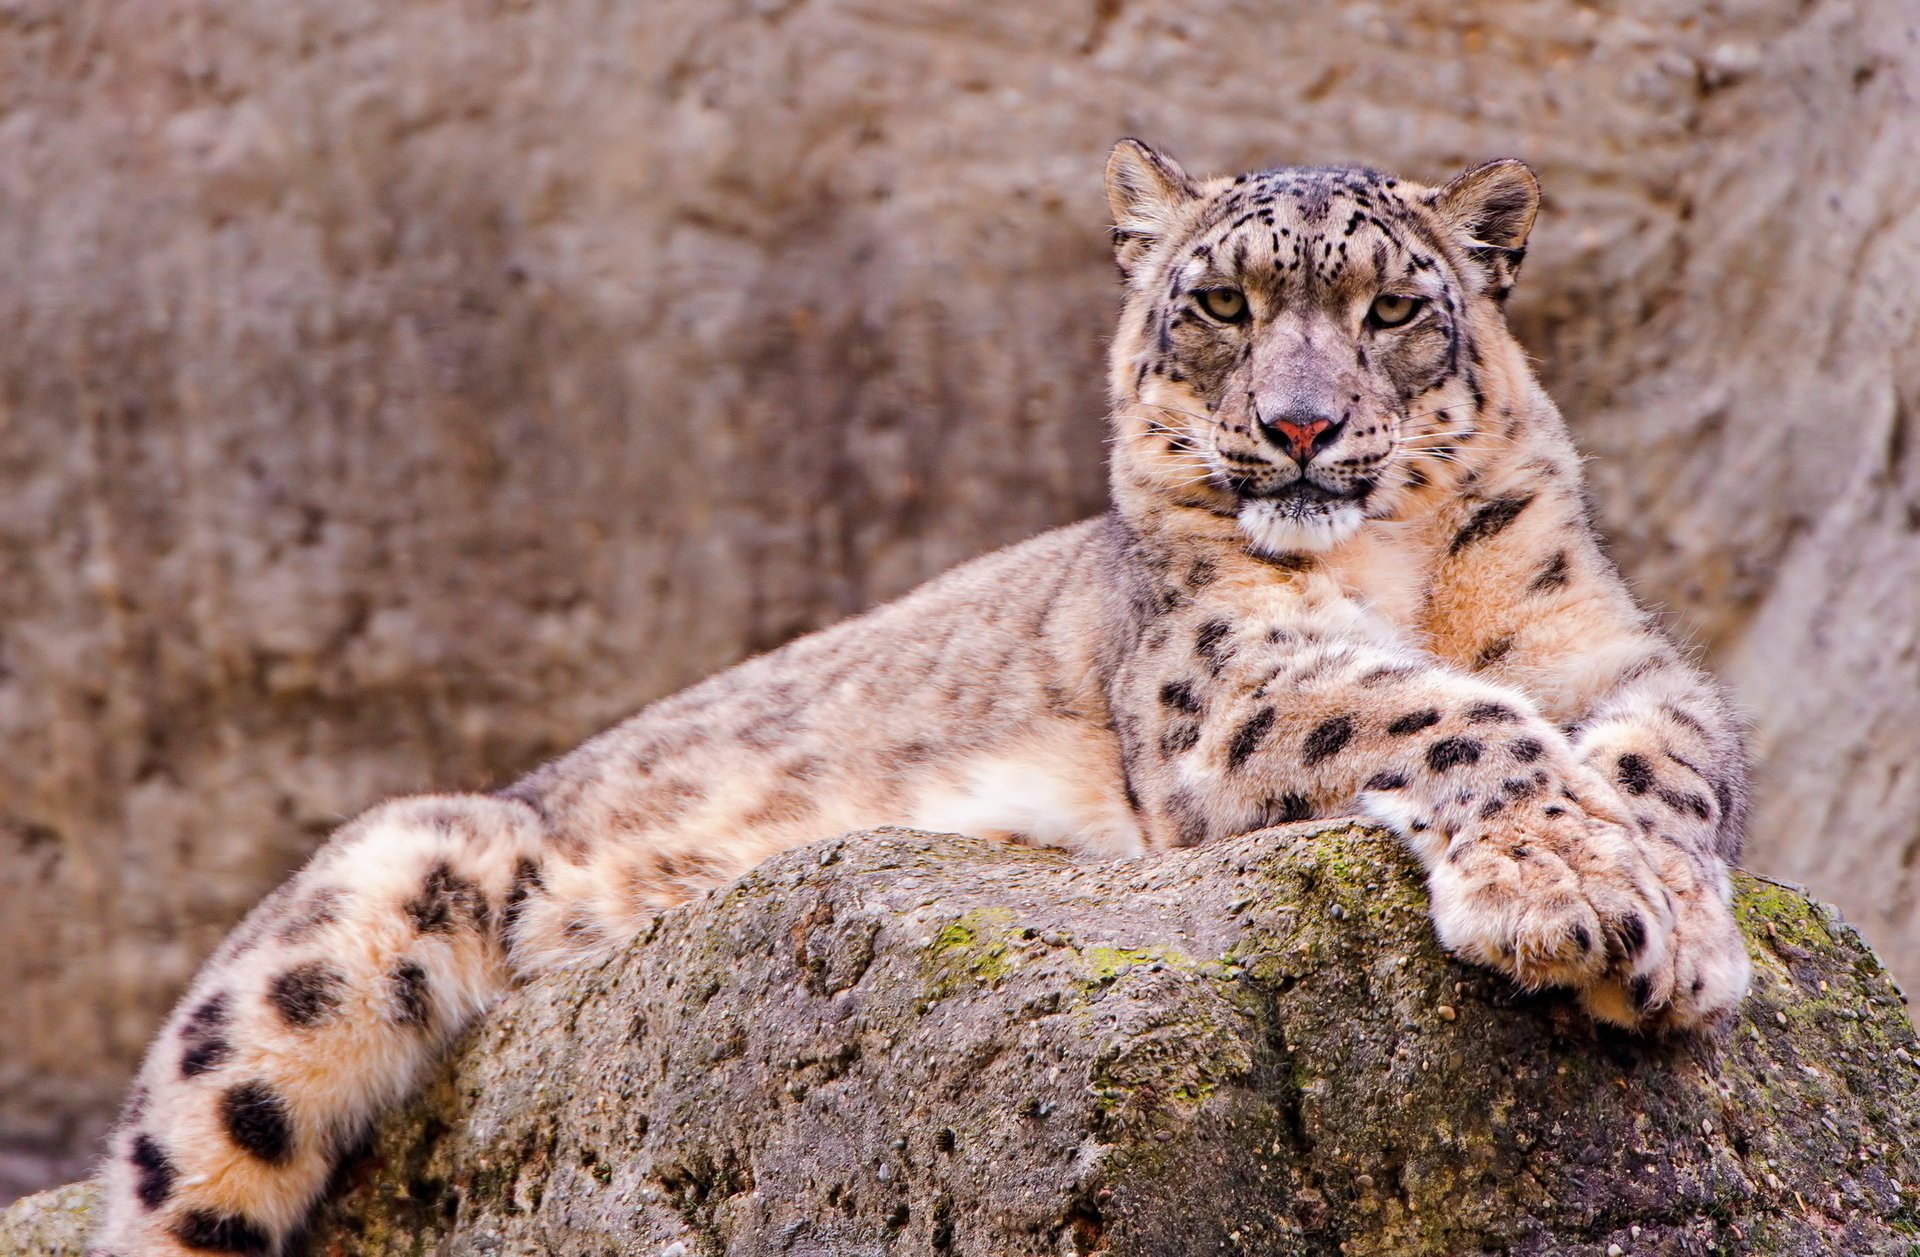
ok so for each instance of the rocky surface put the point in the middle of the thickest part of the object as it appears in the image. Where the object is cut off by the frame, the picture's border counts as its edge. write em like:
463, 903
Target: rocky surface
51, 1224
903, 1043
396, 391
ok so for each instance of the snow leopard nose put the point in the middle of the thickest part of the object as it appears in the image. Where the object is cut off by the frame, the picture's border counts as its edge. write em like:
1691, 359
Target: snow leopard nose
1302, 432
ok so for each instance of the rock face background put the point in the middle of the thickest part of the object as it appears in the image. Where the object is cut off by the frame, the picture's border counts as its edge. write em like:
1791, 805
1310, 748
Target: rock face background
395, 391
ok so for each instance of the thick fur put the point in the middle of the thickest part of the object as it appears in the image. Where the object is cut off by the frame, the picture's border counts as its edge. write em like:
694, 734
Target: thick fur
1416, 622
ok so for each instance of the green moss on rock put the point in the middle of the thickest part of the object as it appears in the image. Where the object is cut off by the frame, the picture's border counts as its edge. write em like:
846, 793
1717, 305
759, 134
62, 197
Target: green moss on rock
970, 950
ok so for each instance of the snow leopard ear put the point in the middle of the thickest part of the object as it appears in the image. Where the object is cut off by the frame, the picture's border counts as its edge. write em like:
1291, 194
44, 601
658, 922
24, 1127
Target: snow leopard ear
1146, 189
1490, 209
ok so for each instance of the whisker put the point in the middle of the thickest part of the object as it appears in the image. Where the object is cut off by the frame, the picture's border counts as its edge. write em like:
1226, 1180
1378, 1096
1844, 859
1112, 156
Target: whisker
1488, 433
1182, 439
1172, 410
1460, 439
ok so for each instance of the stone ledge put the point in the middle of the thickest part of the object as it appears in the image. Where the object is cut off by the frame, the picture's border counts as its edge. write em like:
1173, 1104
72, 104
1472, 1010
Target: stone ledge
907, 1043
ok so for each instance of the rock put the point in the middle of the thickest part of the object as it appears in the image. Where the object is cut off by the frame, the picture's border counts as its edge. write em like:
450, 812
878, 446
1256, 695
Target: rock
51, 1224
939, 1045
396, 392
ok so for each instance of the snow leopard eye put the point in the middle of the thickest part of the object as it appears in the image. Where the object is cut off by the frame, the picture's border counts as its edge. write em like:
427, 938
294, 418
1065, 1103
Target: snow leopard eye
1228, 305
1391, 309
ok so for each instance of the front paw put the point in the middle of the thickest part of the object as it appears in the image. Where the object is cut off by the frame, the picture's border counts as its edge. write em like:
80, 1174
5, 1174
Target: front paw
1556, 896
1708, 961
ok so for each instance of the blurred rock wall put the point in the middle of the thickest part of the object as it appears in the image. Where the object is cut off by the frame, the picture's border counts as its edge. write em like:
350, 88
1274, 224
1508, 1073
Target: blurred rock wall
393, 392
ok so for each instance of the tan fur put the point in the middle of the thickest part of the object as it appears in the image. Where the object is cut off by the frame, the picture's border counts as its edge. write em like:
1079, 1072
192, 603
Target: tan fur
1348, 567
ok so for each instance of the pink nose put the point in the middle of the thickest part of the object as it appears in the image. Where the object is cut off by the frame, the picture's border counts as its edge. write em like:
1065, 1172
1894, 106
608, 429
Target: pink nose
1300, 436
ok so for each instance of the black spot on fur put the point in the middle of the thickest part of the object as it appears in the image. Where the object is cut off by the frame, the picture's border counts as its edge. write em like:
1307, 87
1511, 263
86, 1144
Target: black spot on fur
1327, 740
256, 1120
1492, 808
212, 1014
155, 1172
446, 902
1552, 576
306, 995
1211, 644
1659, 661
1633, 935
1519, 788
205, 1037
412, 1000
1247, 738
1286, 808
1413, 722
1288, 562
1685, 763
320, 910
1385, 781
1493, 652
1526, 750
1450, 753
1684, 719
1179, 695
1642, 991
526, 884
204, 1054
1693, 805
1636, 774
221, 1233
1491, 713
1489, 521
1584, 937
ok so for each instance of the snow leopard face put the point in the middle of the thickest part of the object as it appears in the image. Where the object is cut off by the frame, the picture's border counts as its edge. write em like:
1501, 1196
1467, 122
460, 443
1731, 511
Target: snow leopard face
1305, 345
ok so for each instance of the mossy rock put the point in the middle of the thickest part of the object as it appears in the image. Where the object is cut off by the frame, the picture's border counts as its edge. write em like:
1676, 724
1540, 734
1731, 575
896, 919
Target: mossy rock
902, 1043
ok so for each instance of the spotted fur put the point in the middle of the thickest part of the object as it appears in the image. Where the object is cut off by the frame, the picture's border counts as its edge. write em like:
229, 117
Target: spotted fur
1347, 567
